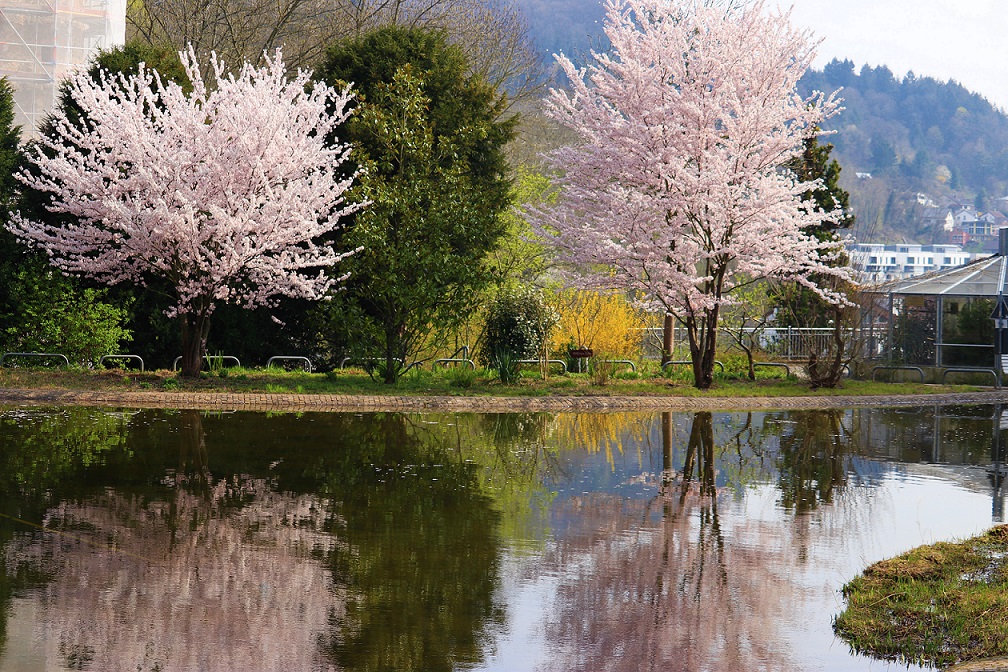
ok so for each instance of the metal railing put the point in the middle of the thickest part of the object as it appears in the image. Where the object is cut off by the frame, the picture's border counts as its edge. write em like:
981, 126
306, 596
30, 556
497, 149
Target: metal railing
304, 362
778, 343
36, 355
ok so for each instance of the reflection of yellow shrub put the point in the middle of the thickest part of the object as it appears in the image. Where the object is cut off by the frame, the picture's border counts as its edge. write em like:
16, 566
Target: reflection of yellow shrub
607, 323
607, 432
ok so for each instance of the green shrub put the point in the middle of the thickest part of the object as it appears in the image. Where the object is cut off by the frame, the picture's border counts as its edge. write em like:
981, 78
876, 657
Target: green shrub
601, 369
518, 323
506, 366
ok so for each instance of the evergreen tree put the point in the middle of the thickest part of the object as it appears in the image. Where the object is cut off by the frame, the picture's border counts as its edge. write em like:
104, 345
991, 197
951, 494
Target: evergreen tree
800, 306
430, 140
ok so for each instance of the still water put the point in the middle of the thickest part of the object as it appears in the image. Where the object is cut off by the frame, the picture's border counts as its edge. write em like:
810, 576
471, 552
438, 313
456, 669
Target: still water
179, 540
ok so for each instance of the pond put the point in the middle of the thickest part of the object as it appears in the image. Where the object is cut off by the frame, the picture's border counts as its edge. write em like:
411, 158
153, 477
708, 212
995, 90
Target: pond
180, 540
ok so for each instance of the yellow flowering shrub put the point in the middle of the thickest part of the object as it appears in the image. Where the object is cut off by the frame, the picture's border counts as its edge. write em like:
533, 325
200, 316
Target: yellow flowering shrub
605, 322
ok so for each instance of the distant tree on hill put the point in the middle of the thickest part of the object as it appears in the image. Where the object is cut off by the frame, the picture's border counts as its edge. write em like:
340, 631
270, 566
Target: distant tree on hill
914, 134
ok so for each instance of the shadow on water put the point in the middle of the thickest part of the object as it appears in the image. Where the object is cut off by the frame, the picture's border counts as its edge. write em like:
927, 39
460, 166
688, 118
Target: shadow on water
382, 541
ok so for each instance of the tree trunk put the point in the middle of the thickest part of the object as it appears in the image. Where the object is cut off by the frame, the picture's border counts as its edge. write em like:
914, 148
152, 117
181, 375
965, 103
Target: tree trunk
707, 481
666, 435
830, 372
391, 345
193, 450
195, 327
749, 360
703, 346
668, 339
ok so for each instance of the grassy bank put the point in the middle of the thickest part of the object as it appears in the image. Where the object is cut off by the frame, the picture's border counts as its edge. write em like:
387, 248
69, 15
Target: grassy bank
936, 605
446, 382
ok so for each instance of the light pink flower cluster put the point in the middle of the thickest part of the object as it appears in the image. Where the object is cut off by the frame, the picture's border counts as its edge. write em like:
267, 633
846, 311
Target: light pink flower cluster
677, 190
223, 191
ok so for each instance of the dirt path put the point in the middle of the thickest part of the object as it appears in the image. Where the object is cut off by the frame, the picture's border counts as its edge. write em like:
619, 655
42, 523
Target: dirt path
212, 401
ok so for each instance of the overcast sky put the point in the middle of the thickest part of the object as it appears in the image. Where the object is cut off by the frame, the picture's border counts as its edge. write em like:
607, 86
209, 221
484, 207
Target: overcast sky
964, 40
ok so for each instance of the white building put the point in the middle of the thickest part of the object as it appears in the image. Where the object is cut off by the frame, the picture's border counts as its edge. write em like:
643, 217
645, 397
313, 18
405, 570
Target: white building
891, 262
41, 41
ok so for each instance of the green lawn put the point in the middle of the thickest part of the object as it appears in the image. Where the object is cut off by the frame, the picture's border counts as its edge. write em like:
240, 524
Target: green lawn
449, 382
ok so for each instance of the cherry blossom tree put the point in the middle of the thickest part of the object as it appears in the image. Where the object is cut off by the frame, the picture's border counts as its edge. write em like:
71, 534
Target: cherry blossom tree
678, 190
223, 190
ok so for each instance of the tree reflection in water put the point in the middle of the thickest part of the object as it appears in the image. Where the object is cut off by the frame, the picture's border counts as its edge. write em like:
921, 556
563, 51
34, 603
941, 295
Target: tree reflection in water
189, 581
654, 585
811, 459
378, 541
420, 551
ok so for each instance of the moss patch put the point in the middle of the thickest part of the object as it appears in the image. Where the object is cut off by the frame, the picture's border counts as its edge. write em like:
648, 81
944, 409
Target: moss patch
935, 605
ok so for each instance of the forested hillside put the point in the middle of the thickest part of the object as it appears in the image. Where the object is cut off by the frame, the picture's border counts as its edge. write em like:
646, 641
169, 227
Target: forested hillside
913, 135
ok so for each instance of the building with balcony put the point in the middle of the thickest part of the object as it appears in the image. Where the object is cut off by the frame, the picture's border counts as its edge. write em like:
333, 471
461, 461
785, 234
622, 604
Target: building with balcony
881, 262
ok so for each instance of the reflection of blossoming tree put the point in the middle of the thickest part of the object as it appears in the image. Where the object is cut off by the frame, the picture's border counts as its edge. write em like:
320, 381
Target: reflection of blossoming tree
188, 582
813, 460
671, 595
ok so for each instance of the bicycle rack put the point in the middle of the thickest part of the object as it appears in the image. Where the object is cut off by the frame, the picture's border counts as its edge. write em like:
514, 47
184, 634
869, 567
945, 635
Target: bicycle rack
41, 355
968, 369
138, 358
563, 364
207, 358
919, 370
686, 361
787, 369
305, 362
454, 360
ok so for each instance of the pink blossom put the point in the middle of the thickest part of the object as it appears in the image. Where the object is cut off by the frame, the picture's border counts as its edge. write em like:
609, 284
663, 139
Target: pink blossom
676, 191
223, 191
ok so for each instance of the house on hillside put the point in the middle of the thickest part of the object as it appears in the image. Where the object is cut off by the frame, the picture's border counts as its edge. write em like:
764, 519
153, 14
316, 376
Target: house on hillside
979, 227
965, 218
937, 219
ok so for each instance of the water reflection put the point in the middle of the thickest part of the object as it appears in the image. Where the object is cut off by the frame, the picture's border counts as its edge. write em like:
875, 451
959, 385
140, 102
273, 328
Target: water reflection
181, 540
159, 579
419, 558
654, 585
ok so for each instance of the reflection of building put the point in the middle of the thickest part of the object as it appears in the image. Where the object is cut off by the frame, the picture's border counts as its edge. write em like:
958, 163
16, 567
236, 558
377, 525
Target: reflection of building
42, 40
